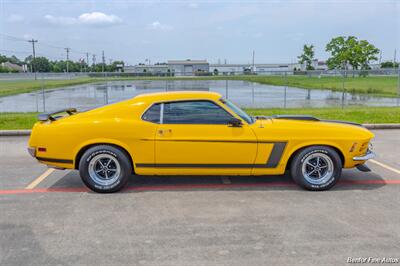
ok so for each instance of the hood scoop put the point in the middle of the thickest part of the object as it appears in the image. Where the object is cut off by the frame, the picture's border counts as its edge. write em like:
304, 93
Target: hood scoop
305, 118
296, 117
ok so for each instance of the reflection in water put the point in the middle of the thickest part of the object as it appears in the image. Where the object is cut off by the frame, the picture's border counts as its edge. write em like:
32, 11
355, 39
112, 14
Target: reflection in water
245, 94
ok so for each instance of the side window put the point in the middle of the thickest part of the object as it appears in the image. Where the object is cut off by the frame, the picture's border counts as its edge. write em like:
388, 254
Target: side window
153, 114
194, 112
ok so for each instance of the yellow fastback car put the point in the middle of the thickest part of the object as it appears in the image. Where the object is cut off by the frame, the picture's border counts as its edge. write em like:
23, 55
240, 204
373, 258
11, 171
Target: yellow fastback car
195, 133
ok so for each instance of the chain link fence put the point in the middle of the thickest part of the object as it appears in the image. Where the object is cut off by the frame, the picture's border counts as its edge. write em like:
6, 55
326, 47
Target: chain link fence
258, 89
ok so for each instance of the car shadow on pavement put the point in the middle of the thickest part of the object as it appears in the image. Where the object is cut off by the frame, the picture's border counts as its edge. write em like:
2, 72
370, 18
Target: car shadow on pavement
351, 180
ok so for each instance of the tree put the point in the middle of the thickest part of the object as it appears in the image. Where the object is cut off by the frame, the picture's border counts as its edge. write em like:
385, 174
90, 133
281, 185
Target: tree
13, 59
115, 65
349, 50
40, 64
307, 56
389, 64
365, 53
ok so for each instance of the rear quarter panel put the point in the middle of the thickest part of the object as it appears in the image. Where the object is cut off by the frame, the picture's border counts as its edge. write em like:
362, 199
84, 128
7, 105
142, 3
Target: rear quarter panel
121, 126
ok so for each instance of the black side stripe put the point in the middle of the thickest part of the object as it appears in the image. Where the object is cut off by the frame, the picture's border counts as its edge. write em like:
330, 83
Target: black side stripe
211, 140
53, 160
273, 161
191, 165
276, 154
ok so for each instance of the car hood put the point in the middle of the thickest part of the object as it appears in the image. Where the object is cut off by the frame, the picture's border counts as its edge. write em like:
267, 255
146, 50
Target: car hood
311, 128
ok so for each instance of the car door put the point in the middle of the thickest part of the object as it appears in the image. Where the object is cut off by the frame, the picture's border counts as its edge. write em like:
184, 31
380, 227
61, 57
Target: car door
194, 137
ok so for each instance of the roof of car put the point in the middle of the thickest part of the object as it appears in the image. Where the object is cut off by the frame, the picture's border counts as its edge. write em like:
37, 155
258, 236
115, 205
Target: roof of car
178, 95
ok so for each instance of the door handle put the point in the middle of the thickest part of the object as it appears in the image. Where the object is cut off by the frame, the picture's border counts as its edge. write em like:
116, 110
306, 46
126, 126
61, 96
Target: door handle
163, 131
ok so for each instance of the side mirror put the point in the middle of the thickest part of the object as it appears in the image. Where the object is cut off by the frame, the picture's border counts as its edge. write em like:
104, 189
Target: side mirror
234, 122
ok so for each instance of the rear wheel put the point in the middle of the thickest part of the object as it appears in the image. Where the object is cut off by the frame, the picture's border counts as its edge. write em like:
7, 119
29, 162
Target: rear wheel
105, 168
316, 168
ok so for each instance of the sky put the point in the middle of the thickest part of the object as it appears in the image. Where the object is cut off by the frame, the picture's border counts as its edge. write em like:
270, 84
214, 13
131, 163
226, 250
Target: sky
134, 31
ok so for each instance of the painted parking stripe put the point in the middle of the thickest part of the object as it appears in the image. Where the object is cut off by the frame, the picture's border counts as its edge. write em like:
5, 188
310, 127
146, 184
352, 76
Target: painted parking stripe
39, 179
385, 166
196, 186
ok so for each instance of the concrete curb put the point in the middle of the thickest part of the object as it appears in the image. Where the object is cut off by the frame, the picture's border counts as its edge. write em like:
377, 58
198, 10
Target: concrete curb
382, 126
19, 132
26, 132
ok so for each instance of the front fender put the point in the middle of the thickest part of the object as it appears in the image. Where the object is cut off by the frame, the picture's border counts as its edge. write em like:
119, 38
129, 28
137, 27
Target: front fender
340, 146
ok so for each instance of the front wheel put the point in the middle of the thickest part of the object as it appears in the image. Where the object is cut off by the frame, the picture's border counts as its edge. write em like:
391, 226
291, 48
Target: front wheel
105, 168
316, 168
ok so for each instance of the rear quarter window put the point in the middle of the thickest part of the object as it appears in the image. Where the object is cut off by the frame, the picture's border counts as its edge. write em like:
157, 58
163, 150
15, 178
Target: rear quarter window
152, 114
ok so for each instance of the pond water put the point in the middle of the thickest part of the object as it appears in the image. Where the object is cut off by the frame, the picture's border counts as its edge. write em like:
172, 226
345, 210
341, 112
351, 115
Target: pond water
245, 94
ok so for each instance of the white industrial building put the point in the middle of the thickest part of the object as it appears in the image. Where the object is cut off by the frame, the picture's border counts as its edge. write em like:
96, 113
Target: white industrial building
174, 67
202, 67
232, 69
147, 69
188, 67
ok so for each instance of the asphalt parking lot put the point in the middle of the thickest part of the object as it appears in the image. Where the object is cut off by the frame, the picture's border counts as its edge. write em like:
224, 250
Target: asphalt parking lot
49, 217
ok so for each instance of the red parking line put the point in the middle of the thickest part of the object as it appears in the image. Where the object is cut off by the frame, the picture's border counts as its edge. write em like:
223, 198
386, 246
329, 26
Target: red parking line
195, 186
370, 182
200, 186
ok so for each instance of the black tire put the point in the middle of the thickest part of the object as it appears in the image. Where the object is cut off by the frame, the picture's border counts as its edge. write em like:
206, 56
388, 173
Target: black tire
314, 176
118, 167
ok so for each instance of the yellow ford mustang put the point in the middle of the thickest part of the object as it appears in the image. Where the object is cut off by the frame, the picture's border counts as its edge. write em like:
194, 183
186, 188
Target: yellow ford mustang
195, 133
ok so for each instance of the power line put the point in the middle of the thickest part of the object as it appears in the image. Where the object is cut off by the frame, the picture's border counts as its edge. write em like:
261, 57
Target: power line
16, 52
44, 43
13, 38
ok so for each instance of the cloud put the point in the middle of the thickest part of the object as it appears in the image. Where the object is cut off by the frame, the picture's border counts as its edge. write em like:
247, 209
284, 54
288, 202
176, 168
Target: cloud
156, 25
15, 18
94, 18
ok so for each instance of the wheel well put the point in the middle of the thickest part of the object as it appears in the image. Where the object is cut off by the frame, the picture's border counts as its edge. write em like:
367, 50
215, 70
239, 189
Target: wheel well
298, 150
85, 148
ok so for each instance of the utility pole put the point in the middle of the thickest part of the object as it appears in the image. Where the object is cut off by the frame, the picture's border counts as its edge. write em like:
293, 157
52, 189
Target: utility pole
93, 60
253, 61
394, 59
34, 56
104, 61
67, 49
87, 62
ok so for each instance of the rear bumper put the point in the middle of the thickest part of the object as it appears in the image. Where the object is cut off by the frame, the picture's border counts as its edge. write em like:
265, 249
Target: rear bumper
367, 156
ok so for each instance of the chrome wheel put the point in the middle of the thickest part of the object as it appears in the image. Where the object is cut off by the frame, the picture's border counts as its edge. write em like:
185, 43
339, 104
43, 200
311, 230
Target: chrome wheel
104, 169
317, 168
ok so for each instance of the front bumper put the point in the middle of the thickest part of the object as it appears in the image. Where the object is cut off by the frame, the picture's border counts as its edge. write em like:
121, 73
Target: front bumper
32, 151
367, 156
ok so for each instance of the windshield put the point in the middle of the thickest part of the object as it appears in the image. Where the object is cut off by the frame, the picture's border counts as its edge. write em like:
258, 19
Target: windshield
238, 111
